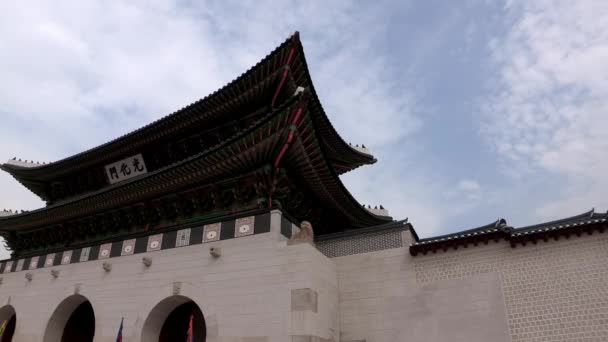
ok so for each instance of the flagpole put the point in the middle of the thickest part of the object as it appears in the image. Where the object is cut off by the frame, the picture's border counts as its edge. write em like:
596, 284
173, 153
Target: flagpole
119, 337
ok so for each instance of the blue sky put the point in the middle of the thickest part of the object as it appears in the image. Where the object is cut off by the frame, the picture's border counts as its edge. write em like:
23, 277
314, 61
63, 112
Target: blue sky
475, 109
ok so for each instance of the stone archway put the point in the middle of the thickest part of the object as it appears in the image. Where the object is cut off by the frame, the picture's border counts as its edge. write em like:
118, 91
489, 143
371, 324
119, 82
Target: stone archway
8, 315
169, 320
72, 321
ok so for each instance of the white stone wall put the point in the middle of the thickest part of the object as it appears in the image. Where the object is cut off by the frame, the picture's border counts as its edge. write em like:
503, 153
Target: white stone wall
553, 291
262, 290
245, 295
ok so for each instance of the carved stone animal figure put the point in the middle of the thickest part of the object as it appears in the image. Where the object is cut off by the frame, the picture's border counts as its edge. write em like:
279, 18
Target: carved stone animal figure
305, 235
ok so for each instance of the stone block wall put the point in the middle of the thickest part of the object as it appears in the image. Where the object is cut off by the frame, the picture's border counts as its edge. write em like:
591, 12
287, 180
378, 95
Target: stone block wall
551, 291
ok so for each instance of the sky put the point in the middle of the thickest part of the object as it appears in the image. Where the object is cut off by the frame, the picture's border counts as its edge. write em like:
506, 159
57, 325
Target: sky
475, 110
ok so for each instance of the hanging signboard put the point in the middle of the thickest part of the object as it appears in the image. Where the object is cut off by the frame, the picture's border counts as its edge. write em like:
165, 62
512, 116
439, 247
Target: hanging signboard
126, 168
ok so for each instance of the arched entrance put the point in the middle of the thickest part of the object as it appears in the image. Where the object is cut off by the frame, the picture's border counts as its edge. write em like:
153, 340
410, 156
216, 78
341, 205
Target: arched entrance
8, 319
72, 321
170, 319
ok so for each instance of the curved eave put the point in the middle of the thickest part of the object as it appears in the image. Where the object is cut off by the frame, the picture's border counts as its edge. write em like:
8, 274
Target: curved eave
320, 176
37, 187
224, 159
340, 151
338, 148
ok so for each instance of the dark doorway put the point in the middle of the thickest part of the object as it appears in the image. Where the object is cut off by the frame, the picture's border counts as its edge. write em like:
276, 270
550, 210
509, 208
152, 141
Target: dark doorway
175, 327
9, 331
81, 325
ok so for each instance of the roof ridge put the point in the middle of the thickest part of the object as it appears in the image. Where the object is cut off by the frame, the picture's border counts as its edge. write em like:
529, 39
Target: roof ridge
499, 223
25, 163
587, 214
365, 230
502, 231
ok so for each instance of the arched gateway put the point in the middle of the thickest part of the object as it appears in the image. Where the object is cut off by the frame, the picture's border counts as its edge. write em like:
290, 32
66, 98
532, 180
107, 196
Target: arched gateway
72, 321
169, 321
8, 321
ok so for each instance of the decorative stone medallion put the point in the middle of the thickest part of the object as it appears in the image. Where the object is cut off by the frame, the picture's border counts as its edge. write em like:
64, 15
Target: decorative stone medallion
49, 260
104, 251
211, 232
34, 263
84, 254
244, 226
154, 242
183, 237
128, 247
66, 258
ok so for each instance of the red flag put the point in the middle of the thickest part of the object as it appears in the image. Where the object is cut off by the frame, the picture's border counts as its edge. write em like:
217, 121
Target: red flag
119, 337
190, 330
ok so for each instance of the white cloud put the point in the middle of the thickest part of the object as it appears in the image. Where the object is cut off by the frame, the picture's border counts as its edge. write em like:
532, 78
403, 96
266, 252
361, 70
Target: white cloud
549, 111
468, 185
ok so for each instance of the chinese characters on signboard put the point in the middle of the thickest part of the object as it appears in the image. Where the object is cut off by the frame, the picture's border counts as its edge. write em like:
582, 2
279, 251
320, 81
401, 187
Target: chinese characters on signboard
126, 168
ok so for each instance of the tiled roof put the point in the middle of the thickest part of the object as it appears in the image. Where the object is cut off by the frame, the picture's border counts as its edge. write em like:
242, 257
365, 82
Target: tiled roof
308, 160
500, 230
343, 156
399, 225
24, 163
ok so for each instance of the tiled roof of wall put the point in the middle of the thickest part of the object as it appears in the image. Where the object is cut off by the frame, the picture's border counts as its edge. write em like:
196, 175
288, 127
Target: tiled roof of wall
499, 230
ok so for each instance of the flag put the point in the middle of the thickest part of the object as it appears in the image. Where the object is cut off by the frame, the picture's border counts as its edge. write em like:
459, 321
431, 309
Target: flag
190, 330
2, 328
119, 337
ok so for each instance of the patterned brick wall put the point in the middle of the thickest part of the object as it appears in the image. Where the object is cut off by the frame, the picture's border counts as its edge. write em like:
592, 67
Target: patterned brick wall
553, 291
362, 243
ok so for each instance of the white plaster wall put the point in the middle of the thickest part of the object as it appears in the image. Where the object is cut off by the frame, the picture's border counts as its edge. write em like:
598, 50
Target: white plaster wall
245, 294
554, 291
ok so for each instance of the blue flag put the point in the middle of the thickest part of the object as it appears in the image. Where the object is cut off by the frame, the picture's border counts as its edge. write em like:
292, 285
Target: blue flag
119, 337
